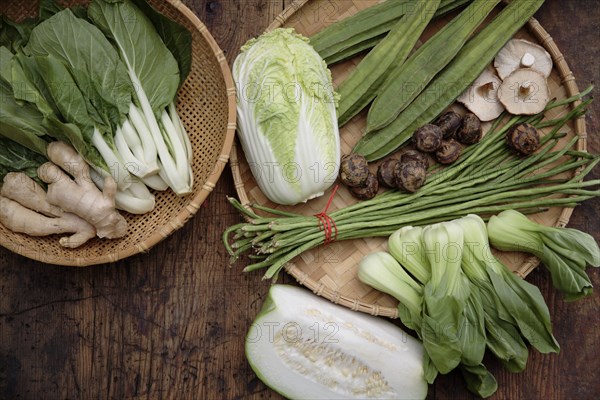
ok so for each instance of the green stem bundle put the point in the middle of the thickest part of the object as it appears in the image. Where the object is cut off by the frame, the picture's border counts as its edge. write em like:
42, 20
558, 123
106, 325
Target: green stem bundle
486, 180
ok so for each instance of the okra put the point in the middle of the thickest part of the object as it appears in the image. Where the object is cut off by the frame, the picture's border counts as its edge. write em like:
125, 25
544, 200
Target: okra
407, 80
354, 50
363, 30
339, 36
468, 64
361, 87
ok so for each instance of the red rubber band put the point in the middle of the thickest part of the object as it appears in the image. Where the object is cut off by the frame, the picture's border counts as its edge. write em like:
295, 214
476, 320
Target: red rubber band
326, 223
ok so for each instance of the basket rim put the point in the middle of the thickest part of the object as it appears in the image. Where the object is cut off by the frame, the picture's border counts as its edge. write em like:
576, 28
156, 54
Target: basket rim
567, 80
196, 201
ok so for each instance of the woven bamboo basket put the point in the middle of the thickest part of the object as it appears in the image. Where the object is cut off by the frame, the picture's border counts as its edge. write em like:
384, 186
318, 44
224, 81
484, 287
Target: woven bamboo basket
206, 105
331, 271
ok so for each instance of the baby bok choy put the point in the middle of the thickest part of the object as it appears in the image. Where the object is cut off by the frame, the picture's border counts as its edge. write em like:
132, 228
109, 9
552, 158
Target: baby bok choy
564, 251
155, 75
128, 91
81, 75
460, 299
438, 303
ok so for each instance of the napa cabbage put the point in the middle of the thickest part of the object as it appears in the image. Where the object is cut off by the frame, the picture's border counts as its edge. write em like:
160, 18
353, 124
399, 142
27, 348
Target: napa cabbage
287, 120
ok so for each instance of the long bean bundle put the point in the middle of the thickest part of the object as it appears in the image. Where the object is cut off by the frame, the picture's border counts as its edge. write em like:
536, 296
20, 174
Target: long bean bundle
488, 179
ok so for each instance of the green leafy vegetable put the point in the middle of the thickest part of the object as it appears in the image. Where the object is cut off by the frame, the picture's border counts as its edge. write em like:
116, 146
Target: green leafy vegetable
565, 252
176, 37
17, 158
286, 116
523, 303
155, 74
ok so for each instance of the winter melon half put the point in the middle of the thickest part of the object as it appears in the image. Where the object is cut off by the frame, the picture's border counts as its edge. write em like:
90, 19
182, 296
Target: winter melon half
305, 347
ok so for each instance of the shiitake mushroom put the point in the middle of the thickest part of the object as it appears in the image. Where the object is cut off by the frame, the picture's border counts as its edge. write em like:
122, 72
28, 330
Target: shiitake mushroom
428, 138
415, 155
448, 152
410, 176
524, 138
449, 123
385, 173
470, 131
354, 170
368, 191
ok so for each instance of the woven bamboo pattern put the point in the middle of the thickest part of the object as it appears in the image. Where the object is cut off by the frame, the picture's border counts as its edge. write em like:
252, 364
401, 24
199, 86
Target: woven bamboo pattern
206, 105
331, 271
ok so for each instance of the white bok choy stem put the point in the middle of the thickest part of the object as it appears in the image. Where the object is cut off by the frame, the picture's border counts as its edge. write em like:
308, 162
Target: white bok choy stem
155, 182
178, 149
181, 131
154, 73
137, 129
115, 162
136, 199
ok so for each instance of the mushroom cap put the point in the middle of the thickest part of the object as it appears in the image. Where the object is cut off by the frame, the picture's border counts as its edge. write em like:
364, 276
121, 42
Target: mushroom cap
524, 92
520, 53
481, 98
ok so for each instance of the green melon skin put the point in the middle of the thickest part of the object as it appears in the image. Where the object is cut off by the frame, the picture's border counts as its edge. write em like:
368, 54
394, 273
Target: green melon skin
305, 347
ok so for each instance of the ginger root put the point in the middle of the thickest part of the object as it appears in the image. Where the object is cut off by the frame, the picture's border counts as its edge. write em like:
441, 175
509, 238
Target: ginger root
81, 196
24, 190
22, 204
20, 219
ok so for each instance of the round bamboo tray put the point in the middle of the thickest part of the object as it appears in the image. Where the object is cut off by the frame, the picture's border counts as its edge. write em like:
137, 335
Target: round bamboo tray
206, 105
331, 271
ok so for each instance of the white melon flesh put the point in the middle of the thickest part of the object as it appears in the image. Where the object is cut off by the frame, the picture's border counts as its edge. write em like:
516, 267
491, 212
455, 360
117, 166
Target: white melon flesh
305, 347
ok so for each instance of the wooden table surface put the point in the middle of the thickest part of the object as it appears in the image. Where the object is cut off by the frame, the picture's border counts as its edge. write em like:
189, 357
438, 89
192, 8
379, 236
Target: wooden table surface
170, 324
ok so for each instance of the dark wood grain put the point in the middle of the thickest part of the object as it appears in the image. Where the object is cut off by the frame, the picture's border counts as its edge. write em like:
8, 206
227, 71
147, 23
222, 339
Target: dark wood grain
170, 324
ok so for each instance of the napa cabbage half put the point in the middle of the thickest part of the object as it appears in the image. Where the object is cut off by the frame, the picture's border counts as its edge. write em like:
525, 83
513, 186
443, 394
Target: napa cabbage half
287, 116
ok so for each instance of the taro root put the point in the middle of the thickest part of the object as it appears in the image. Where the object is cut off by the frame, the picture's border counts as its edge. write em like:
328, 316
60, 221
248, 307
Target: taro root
354, 170
448, 152
470, 131
449, 123
524, 138
385, 173
368, 191
414, 155
428, 138
410, 176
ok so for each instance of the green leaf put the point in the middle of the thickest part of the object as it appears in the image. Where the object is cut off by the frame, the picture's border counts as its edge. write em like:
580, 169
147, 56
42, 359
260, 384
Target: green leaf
45, 83
479, 380
50, 7
17, 158
527, 306
176, 37
567, 277
21, 123
91, 59
429, 369
29, 86
149, 61
14, 35
472, 333
577, 241
505, 342
440, 339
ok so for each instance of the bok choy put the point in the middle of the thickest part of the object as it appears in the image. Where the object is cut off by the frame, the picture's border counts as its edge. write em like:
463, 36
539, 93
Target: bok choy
564, 251
460, 299
103, 79
154, 73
